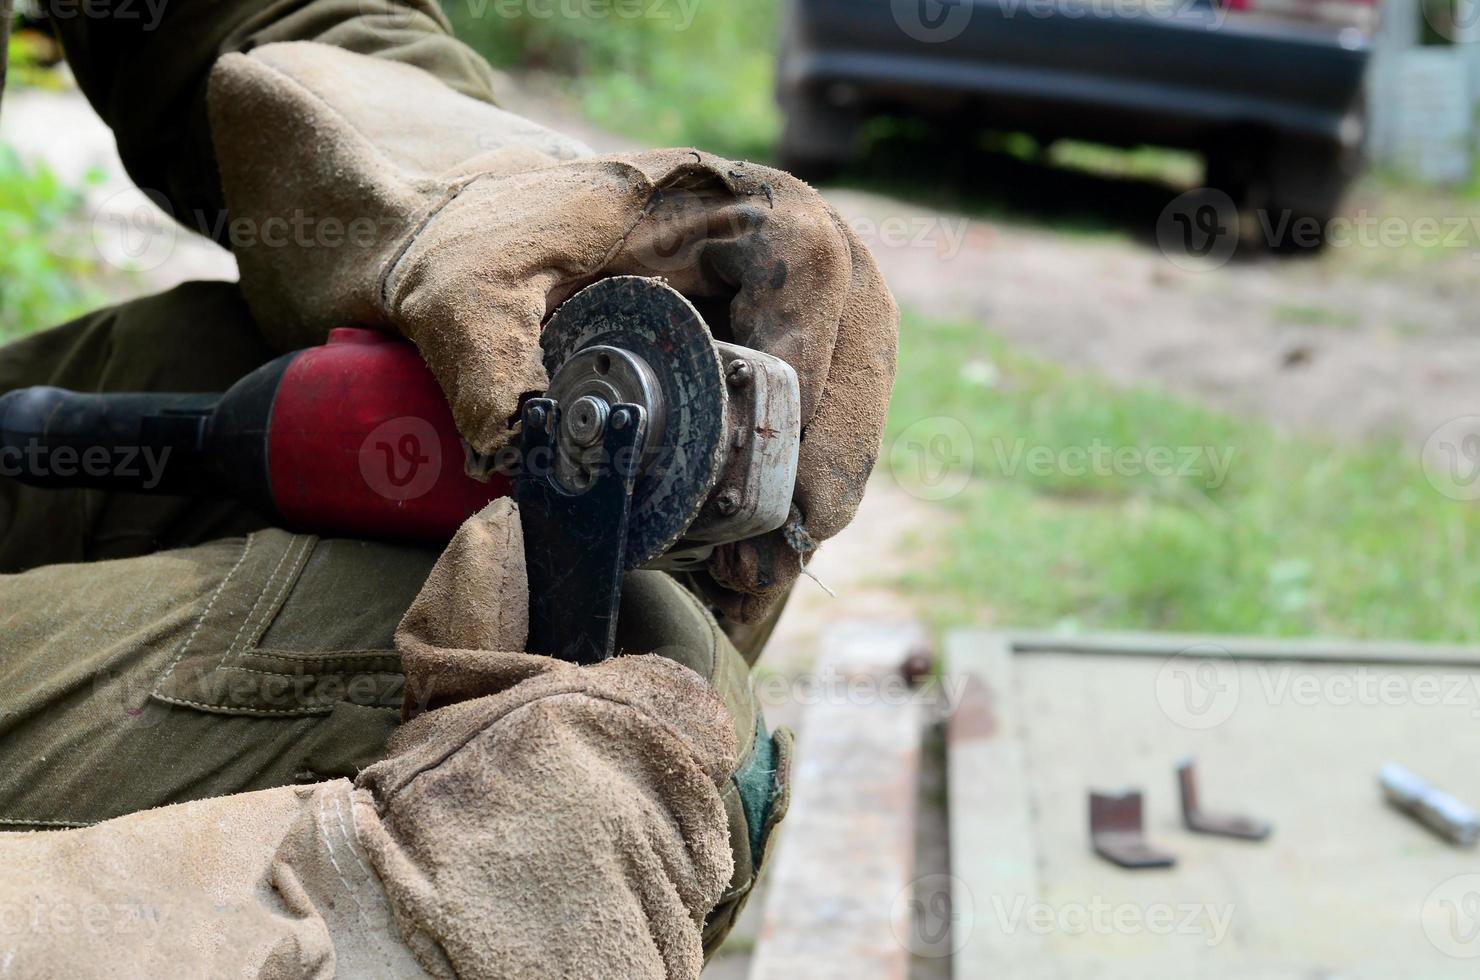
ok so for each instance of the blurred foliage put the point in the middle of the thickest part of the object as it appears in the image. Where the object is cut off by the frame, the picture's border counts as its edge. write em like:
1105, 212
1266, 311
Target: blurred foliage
43, 256
1179, 168
679, 72
31, 57
1301, 537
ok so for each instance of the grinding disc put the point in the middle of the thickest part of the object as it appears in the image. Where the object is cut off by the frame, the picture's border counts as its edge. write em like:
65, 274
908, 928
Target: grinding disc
685, 448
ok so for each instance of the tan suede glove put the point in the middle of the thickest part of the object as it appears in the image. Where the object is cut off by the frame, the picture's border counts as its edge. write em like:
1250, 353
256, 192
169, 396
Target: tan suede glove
569, 824
474, 225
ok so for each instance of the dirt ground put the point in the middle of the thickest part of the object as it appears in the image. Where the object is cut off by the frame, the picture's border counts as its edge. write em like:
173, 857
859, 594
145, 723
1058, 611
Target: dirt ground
1331, 344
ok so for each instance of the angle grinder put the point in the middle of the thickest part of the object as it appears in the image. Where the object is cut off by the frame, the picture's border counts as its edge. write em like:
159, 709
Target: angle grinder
654, 443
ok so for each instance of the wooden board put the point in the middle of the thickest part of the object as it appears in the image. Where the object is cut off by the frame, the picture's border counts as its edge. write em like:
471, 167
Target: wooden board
838, 902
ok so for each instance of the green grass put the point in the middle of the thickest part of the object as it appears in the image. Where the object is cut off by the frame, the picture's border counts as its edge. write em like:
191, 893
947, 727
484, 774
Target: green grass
46, 269
1313, 315
685, 73
1301, 537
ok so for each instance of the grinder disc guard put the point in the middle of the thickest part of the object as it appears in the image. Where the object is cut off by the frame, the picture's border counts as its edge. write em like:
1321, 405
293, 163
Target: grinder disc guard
635, 340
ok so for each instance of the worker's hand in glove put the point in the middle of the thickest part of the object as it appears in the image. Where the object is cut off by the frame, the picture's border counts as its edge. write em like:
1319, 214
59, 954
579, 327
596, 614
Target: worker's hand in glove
569, 824
484, 223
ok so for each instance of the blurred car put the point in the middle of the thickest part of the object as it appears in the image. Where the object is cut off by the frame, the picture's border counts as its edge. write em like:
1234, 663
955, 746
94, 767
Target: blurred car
1269, 91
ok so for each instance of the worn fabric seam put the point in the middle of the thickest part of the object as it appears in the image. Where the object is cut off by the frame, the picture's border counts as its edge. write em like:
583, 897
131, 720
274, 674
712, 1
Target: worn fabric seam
246, 547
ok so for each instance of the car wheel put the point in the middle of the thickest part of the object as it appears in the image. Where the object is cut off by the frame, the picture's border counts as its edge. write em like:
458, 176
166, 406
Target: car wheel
1305, 181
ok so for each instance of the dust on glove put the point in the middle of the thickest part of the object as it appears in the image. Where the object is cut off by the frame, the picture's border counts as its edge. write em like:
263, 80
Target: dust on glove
473, 225
568, 821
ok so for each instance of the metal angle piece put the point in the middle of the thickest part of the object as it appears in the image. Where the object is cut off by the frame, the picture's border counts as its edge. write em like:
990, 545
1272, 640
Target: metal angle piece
1200, 821
1116, 831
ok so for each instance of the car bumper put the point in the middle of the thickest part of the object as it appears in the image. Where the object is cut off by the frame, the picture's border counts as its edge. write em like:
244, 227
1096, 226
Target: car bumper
1142, 78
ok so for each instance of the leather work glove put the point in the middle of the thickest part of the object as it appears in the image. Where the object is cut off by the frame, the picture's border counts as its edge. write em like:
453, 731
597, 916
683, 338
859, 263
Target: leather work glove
567, 823
463, 227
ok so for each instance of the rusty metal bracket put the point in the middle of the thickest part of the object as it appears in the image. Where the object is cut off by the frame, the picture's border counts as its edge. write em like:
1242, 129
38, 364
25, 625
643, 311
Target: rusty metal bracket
1199, 821
1115, 831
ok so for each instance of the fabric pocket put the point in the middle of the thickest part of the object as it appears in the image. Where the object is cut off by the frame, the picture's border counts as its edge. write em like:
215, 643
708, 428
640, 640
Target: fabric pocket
223, 667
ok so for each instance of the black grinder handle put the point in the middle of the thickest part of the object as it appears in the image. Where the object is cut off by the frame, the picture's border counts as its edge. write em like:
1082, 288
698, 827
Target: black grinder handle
146, 442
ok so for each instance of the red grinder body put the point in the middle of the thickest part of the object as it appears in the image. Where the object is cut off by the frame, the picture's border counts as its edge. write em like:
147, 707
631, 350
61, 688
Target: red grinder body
361, 439
353, 437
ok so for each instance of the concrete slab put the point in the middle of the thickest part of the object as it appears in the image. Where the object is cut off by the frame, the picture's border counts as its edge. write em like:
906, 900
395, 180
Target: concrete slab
991, 828
1346, 887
